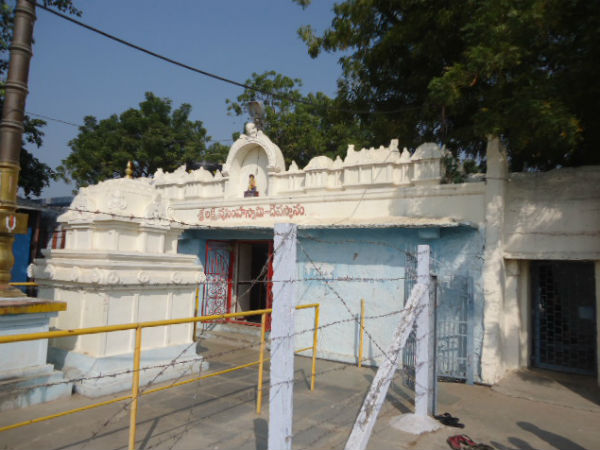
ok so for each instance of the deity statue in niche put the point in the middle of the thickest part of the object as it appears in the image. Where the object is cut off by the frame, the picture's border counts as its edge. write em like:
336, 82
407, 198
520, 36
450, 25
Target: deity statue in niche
251, 192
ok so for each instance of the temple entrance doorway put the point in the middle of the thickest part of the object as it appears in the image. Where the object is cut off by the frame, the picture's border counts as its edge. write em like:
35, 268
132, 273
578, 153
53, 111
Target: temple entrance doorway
564, 316
252, 283
238, 275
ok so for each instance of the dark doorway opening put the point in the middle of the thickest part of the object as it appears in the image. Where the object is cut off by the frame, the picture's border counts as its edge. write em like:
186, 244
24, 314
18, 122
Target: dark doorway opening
238, 279
564, 316
253, 276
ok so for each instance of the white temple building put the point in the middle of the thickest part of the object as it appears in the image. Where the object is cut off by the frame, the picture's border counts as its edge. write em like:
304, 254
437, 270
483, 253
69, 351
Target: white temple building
516, 256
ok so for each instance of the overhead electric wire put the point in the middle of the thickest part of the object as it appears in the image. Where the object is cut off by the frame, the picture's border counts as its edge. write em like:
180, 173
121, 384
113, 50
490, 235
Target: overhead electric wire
42, 116
66, 122
213, 75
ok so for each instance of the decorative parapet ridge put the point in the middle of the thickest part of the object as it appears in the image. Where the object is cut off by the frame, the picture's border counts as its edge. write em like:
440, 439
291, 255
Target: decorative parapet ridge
118, 199
118, 235
383, 166
147, 215
367, 167
120, 215
254, 138
113, 269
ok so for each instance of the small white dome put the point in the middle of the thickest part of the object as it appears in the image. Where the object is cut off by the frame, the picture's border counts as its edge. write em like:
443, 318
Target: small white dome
319, 163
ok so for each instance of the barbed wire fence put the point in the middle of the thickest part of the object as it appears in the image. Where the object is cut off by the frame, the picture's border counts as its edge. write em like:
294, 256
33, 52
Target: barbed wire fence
337, 299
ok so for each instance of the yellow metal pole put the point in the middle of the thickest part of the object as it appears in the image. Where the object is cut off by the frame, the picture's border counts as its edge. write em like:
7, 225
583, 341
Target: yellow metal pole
307, 306
135, 388
196, 309
313, 373
122, 327
303, 349
131, 326
203, 377
64, 413
362, 332
263, 327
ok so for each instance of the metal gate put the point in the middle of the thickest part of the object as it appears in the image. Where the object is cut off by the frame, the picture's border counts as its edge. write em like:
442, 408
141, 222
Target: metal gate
218, 278
409, 360
454, 324
454, 328
564, 316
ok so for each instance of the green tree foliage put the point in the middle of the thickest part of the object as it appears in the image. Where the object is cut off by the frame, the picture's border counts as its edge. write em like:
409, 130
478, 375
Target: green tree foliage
303, 126
454, 72
152, 136
216, 153
34, 175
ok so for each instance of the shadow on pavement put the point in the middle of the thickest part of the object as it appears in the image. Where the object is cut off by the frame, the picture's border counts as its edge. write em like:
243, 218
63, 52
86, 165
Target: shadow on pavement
261, 428
582, 385
149, 434
516, 444
556, 440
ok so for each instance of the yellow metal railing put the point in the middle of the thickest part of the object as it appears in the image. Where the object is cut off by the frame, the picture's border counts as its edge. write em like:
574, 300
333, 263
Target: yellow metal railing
196, 305
196, 312
135, 388
362, 332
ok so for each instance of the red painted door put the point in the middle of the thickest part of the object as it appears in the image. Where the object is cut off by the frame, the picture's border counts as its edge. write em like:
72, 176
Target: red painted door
218, 270
270, 285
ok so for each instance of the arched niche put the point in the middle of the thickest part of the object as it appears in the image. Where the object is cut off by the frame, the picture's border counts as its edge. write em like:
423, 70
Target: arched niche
252, 154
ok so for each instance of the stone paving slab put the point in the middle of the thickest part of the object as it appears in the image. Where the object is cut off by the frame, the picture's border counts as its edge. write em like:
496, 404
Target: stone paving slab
219, 413
552, 388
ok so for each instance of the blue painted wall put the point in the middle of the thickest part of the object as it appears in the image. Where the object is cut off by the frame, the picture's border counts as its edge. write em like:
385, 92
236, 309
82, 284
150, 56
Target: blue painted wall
374, 263
22, 253
363, 263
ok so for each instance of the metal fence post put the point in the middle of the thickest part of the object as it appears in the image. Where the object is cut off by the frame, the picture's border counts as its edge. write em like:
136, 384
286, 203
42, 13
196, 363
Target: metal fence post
424, 376
363, 426
282, 337
362, 332
135, 388
470, 327
263, 326
434, 341
313, 372
196, 311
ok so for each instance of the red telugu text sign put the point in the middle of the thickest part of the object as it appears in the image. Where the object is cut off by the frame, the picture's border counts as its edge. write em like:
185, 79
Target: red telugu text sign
274, 210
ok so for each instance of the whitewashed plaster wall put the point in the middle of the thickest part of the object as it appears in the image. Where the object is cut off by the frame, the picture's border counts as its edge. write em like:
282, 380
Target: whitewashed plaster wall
123, 233
119, 265
369, 187
493, 267
553, 215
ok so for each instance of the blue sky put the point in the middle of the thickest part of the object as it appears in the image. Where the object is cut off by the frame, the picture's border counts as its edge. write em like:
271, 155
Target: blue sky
75, 72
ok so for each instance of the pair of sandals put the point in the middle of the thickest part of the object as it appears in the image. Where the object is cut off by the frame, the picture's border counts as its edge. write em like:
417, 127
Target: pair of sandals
460, 441
464, 442
449, 420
